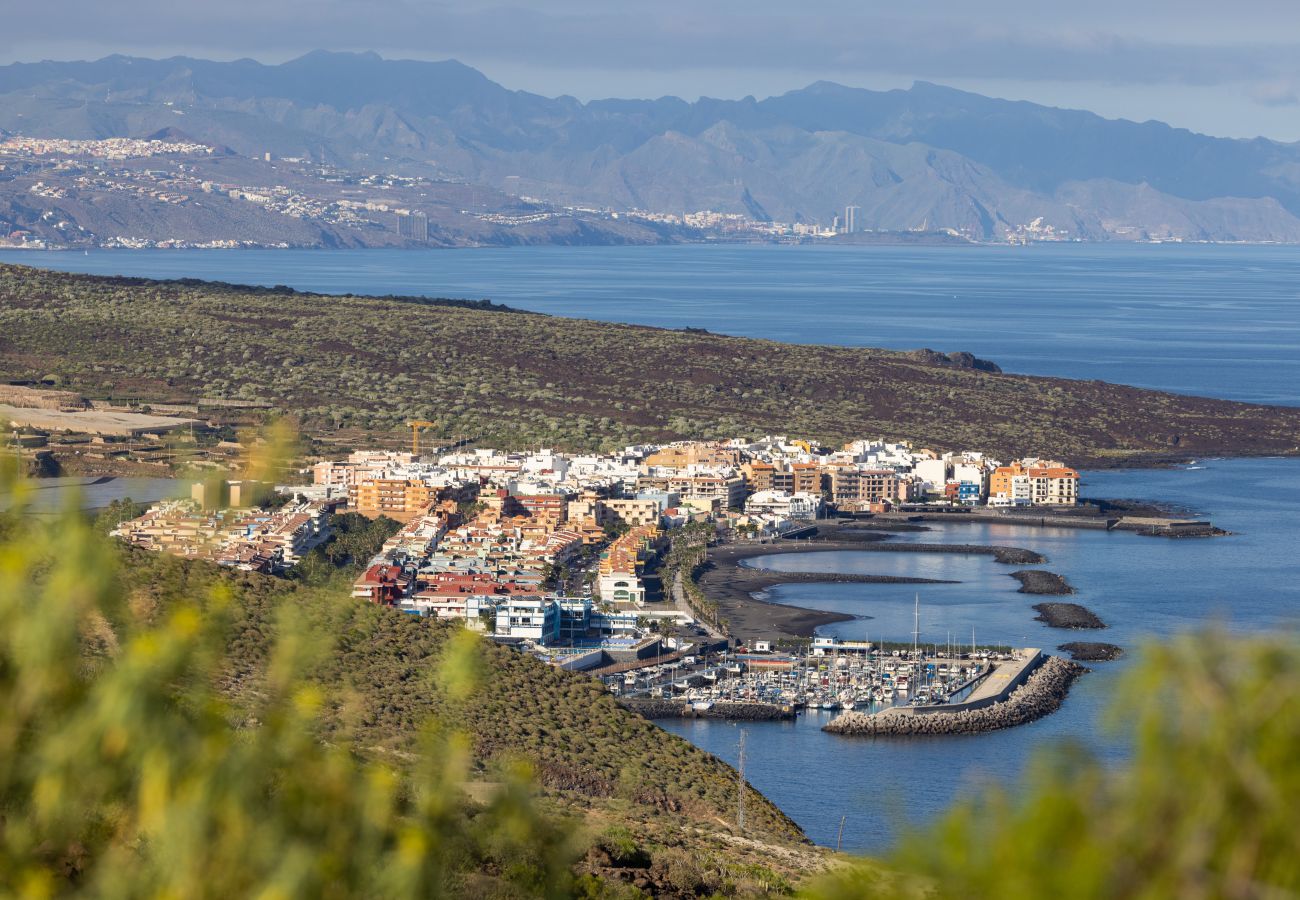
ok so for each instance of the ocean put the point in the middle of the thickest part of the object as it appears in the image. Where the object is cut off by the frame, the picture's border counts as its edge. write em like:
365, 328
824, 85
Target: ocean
1143, 588
1213, 320
1222, 321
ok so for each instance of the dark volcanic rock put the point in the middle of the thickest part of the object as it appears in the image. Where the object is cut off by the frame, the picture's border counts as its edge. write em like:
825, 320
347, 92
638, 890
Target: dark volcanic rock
1018, 556
1089, 651
1036, 581
957, 360
1067, 615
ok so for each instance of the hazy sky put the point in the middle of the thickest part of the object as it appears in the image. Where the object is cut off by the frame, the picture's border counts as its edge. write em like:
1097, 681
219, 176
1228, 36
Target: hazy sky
1228, 68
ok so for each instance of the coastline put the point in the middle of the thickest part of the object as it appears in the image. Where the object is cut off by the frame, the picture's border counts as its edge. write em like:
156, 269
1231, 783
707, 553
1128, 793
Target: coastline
1041, 694
737, 588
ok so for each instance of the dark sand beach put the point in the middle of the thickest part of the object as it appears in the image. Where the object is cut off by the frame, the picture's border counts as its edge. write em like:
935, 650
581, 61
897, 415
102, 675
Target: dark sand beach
733, 585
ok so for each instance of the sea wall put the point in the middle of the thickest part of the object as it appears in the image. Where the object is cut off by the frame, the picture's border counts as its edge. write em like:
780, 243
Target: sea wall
1081, 520
1041, 694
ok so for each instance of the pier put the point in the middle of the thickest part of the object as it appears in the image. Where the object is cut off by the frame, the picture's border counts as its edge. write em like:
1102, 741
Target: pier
1012, 694
995, 686
831, 676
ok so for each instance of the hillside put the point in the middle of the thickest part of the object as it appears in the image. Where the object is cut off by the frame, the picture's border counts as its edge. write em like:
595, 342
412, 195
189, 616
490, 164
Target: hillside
362, 366
604, 769
200, 197
929, 157
200, 732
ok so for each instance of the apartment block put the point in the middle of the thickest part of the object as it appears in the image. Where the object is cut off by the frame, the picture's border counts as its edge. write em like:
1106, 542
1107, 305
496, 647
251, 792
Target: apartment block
394, 497
1034, 483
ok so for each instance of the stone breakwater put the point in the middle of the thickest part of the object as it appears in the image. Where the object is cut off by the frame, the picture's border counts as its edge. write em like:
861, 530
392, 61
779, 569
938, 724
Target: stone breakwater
671, 709
1089, 651
1040, 695
1036, 581
1067, 615
778, 577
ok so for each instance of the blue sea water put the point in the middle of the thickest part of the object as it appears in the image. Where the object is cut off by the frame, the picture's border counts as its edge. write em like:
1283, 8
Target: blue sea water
1218, 321
1215, 320
1144, 588
48, 496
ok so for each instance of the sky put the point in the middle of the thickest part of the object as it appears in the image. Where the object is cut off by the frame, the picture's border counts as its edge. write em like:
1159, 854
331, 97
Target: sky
1219, 67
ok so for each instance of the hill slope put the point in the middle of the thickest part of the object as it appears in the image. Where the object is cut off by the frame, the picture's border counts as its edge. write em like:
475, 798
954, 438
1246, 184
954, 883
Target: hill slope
595, 762
510, 378
928, 157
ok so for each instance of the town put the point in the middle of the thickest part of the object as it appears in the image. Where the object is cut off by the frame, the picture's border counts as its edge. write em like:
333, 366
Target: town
156, 185
566, 553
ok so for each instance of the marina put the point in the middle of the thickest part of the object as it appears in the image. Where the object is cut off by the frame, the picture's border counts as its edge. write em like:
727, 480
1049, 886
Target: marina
839, 675
871, 680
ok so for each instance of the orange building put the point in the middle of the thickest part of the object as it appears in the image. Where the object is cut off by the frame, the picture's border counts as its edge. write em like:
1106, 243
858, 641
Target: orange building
1040, 483
679, 456
397, 498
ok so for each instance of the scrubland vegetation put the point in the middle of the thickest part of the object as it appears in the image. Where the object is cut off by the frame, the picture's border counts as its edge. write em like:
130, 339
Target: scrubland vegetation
508, 379
174, 728
170, 728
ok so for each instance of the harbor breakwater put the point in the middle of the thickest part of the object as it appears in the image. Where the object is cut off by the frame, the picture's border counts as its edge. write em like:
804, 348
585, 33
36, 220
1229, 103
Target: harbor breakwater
1036, 581
1067, 615
742, 712
1041, 694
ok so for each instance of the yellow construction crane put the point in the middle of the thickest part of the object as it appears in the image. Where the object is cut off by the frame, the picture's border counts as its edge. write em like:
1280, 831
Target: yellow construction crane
415, 427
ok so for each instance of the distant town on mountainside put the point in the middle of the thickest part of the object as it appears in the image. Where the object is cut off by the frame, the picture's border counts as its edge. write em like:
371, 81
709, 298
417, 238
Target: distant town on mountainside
352, 150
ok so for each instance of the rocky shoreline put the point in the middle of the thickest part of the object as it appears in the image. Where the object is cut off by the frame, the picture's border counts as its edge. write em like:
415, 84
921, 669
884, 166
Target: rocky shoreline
1067, 615
740, 712
1037, 581
1089, 651
1040, 695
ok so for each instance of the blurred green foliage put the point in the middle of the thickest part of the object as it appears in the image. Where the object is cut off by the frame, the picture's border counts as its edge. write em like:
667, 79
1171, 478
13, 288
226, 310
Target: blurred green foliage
126, 772
1208, 806
172, 728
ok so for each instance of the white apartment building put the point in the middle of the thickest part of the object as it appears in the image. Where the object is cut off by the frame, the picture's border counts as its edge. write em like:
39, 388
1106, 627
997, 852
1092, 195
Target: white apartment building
784, 505
530, 618
621, 587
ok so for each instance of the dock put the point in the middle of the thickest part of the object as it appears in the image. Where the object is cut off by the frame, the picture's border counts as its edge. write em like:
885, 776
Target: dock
1013, 694
994, 687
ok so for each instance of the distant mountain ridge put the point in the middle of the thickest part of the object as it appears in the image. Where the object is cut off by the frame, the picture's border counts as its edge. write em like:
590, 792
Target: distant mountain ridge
929, 157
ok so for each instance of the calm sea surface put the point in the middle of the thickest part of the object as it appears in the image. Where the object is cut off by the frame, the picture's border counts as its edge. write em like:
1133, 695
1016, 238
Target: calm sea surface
1142, 587
47, 496
1220, 321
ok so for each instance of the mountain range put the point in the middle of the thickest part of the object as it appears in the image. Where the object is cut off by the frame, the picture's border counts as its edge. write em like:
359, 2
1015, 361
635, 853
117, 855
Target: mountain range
928, 158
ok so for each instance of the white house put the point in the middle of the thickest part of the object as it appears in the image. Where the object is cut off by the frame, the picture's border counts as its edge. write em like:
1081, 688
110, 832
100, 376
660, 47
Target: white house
532, 618
784, 505
621, 587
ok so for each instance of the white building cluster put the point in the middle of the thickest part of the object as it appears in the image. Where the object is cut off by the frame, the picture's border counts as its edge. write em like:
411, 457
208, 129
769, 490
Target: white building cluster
556, 548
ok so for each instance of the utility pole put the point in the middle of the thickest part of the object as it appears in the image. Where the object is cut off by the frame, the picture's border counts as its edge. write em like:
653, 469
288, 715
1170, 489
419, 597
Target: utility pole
740, 785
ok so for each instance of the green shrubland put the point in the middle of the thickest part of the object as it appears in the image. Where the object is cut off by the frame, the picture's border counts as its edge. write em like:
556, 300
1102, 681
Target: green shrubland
174, 729
360, 367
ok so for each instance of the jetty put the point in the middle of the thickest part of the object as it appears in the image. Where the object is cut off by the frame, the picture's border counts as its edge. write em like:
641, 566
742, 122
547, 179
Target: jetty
1014, 692
1080, 517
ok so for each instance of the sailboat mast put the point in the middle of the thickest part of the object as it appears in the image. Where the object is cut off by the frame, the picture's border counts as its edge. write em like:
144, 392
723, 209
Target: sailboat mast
916, 625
